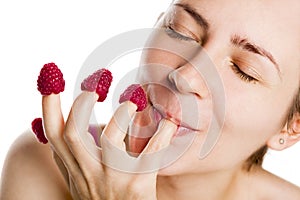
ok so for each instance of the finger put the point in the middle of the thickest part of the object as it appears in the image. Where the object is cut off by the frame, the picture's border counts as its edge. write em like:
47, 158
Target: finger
81, 111
76, 136
141, 130
112, 142
73, 191
50, 83
77, 126
53, 118
61, 167
116, 130
162, 137
151, 157
80, 141
54, 128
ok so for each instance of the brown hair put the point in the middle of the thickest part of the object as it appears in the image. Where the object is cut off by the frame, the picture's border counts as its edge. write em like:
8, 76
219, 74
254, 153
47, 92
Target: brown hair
256, 159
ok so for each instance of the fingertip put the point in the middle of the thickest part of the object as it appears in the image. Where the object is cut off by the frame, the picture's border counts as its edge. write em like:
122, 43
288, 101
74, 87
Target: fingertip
86, 97
81, 111
50, 80
165, 131
98, 82
130, 106
167, 125
123, 115
51, 104
38, 130
51, 98
116, 129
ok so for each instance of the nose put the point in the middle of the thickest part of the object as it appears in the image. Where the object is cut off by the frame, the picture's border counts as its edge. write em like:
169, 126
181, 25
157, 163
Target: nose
188, 80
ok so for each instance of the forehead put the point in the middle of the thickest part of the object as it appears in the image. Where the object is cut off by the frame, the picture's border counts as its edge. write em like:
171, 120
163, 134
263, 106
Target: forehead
272, 24
284, 11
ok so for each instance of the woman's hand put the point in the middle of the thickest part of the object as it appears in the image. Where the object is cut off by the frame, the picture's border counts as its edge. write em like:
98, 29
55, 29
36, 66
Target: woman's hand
107, 173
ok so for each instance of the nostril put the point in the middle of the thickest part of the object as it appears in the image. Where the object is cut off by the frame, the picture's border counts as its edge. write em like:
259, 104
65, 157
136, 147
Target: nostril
188, 83
171, 77
179, 82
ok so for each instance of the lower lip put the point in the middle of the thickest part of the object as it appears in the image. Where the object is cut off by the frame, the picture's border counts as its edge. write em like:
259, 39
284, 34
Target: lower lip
181, 131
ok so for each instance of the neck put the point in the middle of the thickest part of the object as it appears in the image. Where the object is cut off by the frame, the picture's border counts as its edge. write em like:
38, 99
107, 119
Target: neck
225, 184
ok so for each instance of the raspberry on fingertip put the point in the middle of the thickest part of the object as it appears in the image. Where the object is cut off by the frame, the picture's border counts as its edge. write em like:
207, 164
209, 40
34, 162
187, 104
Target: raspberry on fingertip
136, 94
50, 80
98, 82
38, 130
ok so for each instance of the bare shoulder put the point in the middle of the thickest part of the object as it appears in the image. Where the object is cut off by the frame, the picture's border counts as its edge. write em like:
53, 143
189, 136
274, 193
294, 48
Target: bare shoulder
270, 186
29, 172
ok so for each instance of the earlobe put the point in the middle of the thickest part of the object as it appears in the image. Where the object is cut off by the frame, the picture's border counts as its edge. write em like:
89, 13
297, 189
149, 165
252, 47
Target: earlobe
288, 136
281, 141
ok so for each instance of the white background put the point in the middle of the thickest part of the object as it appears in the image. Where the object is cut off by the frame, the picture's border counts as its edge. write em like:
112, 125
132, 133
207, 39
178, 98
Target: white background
66, 32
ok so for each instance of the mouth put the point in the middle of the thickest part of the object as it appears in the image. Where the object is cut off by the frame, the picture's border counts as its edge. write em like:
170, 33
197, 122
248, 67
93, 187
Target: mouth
140, 133
182, 128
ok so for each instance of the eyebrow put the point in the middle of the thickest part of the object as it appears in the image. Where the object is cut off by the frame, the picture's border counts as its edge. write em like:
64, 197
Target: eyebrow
236, 40
200, 20
245, 44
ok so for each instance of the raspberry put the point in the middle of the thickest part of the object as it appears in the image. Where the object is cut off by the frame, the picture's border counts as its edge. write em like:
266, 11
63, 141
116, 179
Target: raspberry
136, 95
50, 80
37, 128
99, 81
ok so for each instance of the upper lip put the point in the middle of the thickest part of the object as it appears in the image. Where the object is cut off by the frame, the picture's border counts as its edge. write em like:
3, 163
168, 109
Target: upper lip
167, 115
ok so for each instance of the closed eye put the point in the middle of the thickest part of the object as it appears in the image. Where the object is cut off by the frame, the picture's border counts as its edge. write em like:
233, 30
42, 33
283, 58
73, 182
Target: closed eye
176, 35
242, 75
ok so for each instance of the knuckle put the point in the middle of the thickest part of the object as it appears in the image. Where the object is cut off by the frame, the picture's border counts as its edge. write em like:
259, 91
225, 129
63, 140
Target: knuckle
136, 188
70, 138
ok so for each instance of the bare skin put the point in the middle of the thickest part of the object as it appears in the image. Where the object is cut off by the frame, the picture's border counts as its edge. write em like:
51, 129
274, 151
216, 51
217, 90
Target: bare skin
263, 87
37, 163
30, 173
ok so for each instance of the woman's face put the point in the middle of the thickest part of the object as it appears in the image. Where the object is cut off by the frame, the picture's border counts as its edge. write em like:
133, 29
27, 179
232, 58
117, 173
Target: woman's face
254, 46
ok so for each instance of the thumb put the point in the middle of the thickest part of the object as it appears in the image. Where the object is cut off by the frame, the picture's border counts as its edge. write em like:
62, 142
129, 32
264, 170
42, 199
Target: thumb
162, 138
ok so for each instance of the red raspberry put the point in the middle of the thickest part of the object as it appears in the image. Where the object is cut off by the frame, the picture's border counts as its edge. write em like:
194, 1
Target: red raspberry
37, 128
99, 81
136, 95
50, 80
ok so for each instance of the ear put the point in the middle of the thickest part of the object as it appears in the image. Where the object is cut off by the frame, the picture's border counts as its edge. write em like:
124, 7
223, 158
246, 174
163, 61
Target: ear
288, 136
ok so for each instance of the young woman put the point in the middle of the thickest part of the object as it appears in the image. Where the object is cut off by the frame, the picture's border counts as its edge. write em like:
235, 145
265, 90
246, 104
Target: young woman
254, 47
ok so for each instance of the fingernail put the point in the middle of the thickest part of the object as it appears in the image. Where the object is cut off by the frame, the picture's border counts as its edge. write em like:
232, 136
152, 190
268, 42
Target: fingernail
50, 80
167, 125
98, 82
38, 130
166, 129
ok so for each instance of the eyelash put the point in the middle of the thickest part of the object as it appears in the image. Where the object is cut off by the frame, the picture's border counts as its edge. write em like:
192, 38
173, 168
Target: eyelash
174, 34
236, 69
245, 77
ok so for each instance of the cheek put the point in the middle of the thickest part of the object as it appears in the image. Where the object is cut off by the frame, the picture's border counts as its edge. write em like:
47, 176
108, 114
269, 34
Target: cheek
253, 115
